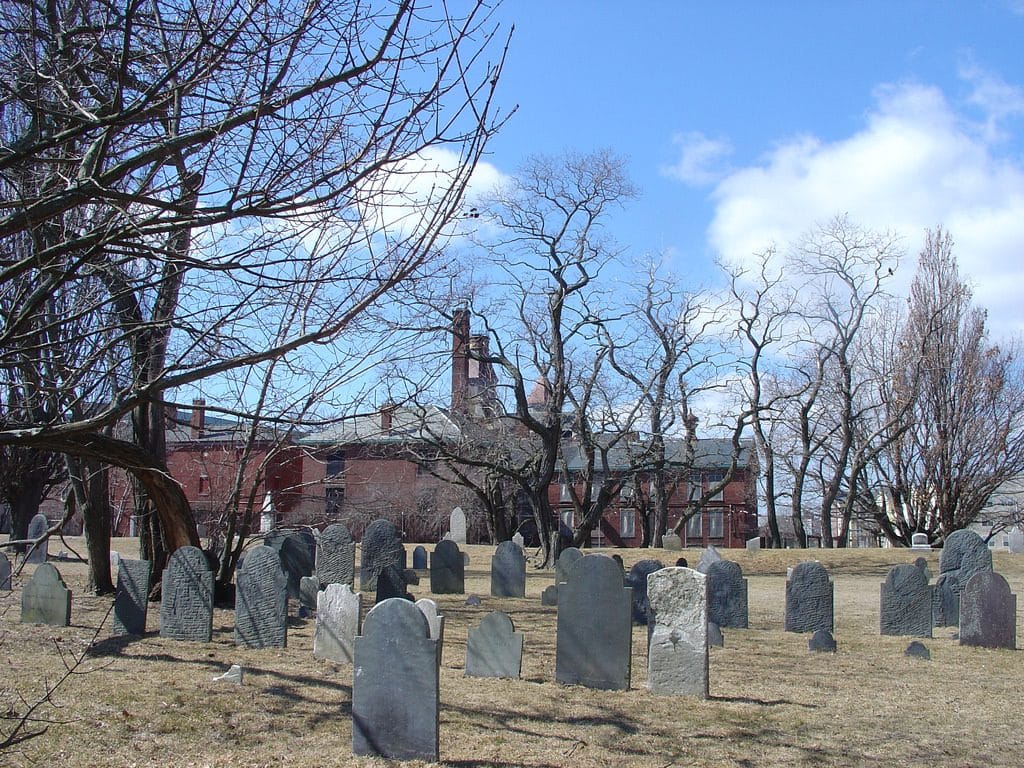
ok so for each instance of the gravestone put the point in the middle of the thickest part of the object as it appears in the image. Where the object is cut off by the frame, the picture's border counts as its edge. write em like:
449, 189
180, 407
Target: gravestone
447, 569
5, 573
457, 526
593, 639
906, 603
419, 558
296, 552
309, 591
234, 675
45, 598
337, 623
922, 563
567, 558
707, 557
637, 581
681, 562
518, 540
822, 642
436, 621
808, 599
727, 595
381, 546
964, 554
508, 571
715, 637
550, 595
918, 650
37, 527
186, 604
261, 600
335, 556
494, 648
919, 541
391, 583
988, 612
754, 544
395, 688
671, 542
677, 647
131, 600
474, 600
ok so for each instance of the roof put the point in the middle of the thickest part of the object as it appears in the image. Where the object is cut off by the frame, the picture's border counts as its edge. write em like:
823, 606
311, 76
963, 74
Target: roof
709, 453
407, 424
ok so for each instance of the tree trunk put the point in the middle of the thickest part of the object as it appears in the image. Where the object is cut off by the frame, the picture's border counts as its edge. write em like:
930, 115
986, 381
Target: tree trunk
90, 494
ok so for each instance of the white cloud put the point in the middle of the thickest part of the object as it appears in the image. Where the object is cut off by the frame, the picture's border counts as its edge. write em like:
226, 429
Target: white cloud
917, 163
699, 159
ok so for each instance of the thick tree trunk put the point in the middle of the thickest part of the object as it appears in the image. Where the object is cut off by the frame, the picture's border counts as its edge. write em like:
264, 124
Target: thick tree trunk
90, 495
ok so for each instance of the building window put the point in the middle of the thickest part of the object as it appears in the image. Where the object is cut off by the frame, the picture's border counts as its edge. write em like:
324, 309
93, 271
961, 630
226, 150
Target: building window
204, 485
627, 523
334, 497
693, 527
714, 478
335, 463
716, 519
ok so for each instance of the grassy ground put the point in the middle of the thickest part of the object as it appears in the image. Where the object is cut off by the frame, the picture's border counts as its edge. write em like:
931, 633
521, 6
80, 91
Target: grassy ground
152, 702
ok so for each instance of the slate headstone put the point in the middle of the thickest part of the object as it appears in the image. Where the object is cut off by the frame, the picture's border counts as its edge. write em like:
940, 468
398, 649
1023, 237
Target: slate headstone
45, 598
508, 571
906, 603
494, 648
727, 595
988, 612
337, 623
186, 605
391, 583
335, 556
37, 527
677, 646
715, 637
381, 546
395, 688
707, 557
5, 573
637, 581
419, 558
550, 595
809, 594
474, 600
922, 563
671, 542
309, 591
681, 562
131, 600
447, 569
434, 618
822, 642
964, 553
918, 650
261, 600
296, 552
457, 526
567, 558
593, 639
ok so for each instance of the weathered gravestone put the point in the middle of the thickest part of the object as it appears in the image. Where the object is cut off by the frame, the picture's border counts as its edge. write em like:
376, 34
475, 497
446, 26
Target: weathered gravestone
637, 581
922, 563
45, 598
335, 556
918, 650
337, 623
419, 558
381, 546
517, 539
395, 685
822, 642
567, 558
457, 526
707, 557
391, 583
186, 604
447, 569
964, 554
906, 603
808, 598
593, 639
131, 601
549, 596
37, 527
754, 544
5, 573
671, 542
296, 552
494, 648
261, 601
508, 571
715, 637
988, 612
309, 593
677, 645
436, 621
727, 595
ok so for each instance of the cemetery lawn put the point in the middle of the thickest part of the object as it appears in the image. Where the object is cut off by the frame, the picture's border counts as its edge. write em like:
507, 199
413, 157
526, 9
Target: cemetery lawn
153, 702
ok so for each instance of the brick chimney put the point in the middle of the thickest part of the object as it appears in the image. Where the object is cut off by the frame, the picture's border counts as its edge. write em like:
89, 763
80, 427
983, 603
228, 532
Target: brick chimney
460, 360
387, 414
198, 421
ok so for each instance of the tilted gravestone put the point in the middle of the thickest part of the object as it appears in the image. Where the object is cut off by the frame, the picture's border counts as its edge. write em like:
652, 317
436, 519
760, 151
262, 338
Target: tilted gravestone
637, 581
707, 557
593, 639
335, 556
261, 601
381, 546
677, 647
508, 571
131, 600
447, 569
297, 556
37, 527
906, 603
964, 553
395, 688
419, 558
494, 648
457, 526
809, 594
45, 598
186, 604
5, 573
988, 612
390, 583
337, 623
567, 558
727, 595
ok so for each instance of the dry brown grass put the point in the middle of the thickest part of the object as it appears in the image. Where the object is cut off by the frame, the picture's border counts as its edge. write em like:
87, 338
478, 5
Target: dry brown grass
152, 702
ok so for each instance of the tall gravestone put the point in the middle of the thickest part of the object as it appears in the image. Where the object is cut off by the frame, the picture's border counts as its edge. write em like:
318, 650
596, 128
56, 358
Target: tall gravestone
395, 688
337, 623
37, 527
261, 601
637, 581
567, 558
45, 598
457, 526
5, 573
988, 612
677, 649
447, 569
964, 553
494, 648
508, 571
906, 602
727, 595
594, 635
296, 552
186, 604
809, 593
381, 546
335, 556
131, 601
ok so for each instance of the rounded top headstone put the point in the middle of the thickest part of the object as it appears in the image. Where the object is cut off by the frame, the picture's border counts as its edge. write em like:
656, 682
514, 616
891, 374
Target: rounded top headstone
395, 617
965, 550
596, 571
497, 621
809, 572
336, 534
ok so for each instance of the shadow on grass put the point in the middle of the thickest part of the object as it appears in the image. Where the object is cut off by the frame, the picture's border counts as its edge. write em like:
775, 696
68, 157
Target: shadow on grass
762, 702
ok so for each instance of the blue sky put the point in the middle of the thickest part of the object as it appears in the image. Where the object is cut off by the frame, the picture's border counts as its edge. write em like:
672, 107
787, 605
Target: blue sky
745, 123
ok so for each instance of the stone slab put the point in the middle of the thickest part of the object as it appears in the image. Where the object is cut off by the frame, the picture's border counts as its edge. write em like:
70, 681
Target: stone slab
494, 648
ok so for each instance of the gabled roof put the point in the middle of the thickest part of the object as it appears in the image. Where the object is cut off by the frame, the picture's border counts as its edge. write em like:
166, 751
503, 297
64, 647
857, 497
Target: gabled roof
709, 454
408, 424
